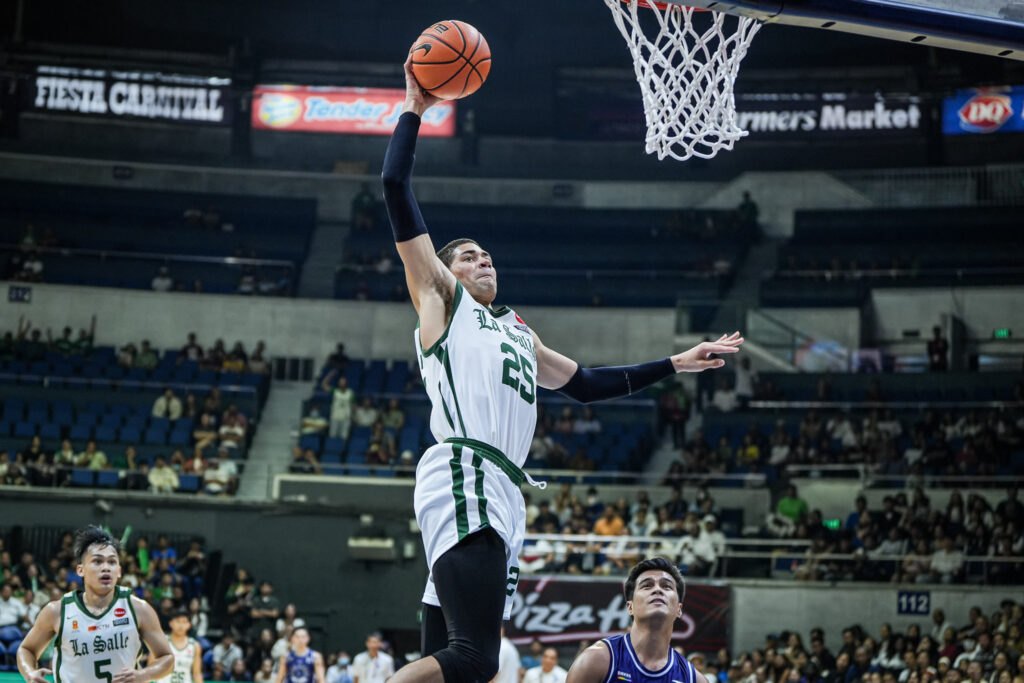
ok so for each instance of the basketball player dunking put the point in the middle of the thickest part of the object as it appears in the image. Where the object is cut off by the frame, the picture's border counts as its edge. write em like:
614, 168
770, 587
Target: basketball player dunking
100, 630
654, 598
481, 366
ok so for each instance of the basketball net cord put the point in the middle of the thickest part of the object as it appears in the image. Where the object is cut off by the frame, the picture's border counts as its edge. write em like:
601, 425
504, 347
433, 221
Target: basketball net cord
686, 77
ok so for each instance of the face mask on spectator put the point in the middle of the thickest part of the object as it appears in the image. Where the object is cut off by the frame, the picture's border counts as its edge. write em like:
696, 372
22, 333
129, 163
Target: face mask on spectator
343, 661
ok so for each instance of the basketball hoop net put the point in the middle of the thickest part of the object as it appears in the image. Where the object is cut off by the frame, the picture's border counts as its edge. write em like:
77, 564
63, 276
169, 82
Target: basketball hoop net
686, 76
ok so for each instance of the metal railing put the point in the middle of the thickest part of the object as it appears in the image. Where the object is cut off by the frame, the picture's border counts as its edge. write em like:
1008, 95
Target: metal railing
737, 550
152, 256
69, 382
997, 185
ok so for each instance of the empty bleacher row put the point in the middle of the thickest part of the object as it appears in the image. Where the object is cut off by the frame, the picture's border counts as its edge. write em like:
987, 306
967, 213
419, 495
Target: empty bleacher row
611, 257
88, 235
836, 257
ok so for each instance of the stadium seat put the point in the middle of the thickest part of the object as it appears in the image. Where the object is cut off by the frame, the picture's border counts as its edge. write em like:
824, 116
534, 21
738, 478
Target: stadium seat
334, 445
108, 478
9, 634
106, 434
128, 434
189, 483
310, 441
179, 437
25, 430
49, 431
153, 436
80, 477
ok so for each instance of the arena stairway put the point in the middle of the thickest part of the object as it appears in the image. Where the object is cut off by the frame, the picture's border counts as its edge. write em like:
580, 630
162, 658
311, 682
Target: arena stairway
271, 449
325, 250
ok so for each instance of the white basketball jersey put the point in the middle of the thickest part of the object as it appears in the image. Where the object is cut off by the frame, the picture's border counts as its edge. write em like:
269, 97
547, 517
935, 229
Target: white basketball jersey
481, 378
93, 648
183, 662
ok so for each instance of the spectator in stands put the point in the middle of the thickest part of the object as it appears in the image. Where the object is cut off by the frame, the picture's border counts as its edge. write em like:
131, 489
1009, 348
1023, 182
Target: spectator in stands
791, 506
580, 462
746, 382
205, 431
213, 359
162, 281
342, 400
338, 360
146, 359
372, 665
266, 673
364, 209
587, 423
313, 422
545, 450
341, 670
221, 475
724, 398
938, 351
31, 268
548, 671
304, 461
239, 672
564, 423
610, 524
162, 479
258, 365
916, 566
12, 610
191, 351
231, 433
393, 417
167, 405
365, 413
709, 546
91, 458
126, 355
227, 652
947, 563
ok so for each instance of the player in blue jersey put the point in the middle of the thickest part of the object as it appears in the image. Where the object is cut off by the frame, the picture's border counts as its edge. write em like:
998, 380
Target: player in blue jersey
654, 597
301, 664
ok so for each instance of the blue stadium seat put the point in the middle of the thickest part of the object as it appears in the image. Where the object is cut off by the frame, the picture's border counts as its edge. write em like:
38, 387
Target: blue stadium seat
188, 482
114, 372
334, 445
5, 428
160, 423
330, 459
80, 432
80, 477
122, 409
108, 478
106, 434
38, 416
49, 431
38, 405
179, 437
25, 430
136, 421
153, 436
128, 434
310, 441
9, 634
111, 420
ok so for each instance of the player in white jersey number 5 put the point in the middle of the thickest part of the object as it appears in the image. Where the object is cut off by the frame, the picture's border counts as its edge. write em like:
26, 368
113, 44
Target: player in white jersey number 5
99, 631
481, 366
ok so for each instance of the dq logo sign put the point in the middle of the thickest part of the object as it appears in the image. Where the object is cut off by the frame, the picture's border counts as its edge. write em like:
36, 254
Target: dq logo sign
985, 113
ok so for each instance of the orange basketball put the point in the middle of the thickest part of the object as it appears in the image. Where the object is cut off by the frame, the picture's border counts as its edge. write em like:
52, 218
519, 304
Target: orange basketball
451, 59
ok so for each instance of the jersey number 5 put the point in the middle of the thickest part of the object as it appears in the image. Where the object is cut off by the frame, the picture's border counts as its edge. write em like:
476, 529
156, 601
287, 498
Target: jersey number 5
517, 364
100, 674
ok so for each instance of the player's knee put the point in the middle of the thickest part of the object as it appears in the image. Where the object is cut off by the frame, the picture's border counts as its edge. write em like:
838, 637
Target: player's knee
466, 662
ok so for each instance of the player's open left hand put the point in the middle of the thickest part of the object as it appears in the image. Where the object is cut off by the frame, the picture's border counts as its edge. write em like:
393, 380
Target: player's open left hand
417, 99
39, 676
699, 358
127, 676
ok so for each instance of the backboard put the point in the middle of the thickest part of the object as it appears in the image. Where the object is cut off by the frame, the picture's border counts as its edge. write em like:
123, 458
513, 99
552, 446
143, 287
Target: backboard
990, 27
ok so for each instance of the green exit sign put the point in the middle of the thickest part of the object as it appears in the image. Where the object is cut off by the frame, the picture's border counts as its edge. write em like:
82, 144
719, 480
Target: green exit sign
1002, 333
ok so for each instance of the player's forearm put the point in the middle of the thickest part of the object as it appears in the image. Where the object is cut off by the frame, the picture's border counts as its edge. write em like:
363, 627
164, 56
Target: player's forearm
27, 662
160, 668
599, 384
403, 211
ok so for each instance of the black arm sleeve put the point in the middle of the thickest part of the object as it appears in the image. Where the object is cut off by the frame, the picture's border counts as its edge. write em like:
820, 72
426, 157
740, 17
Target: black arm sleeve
403, 211
597, 384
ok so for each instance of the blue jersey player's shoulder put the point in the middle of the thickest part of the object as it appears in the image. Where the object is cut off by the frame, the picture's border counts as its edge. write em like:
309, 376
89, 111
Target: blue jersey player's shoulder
625, 665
